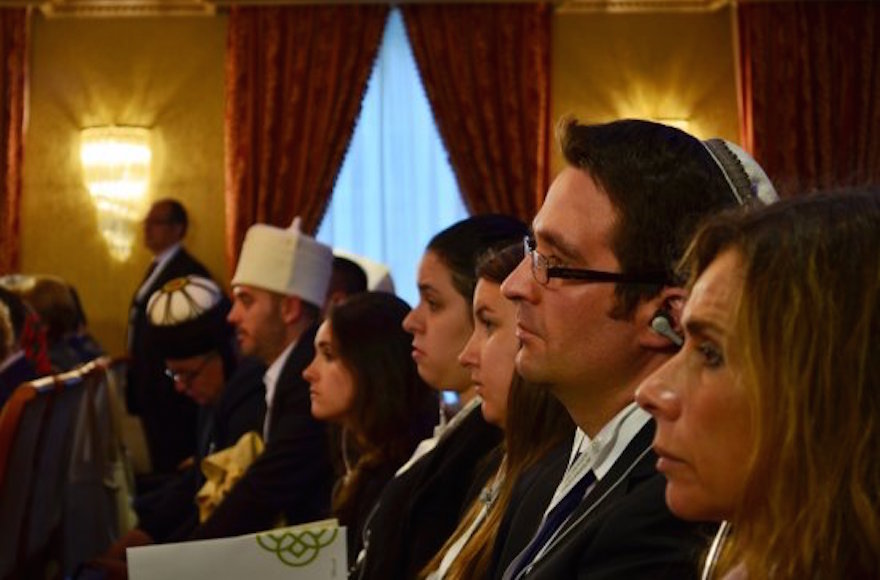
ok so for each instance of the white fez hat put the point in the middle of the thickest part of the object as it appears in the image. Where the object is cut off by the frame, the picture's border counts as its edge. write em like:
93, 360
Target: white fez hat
285, 261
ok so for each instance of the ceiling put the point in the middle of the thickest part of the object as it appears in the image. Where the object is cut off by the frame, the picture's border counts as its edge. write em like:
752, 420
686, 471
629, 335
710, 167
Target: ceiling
127, 8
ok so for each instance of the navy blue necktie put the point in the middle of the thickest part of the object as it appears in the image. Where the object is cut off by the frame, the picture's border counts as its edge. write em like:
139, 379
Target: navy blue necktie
552, 522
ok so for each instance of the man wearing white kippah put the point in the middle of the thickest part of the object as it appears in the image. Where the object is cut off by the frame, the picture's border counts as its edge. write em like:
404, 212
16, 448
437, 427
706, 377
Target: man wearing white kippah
279, 289
599, 305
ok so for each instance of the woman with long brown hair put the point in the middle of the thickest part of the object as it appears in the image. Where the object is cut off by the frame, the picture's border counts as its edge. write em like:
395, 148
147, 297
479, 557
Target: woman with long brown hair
769, 416
364, 380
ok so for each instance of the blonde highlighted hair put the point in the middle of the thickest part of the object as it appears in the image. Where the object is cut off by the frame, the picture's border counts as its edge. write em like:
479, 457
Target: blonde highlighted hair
808, 324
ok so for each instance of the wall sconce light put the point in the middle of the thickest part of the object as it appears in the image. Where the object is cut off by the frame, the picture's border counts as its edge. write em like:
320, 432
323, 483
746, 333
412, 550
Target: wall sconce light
116, 169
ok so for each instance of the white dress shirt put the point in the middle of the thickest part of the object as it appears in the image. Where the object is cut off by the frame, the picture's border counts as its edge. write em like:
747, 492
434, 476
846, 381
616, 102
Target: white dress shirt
161, 261
270, 379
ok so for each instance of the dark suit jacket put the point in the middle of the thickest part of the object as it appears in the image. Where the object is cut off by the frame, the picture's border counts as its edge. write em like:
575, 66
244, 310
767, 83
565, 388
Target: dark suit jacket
628, 533
168, 417
169, 513
420, 509
294, 476
538, 484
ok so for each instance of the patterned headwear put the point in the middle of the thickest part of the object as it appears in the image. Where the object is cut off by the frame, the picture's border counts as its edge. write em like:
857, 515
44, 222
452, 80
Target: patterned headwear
747, 180
187, 317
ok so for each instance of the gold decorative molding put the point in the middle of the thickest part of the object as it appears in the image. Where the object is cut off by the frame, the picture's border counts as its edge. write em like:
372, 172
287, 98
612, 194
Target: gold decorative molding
636, 6
142, 8
125, 8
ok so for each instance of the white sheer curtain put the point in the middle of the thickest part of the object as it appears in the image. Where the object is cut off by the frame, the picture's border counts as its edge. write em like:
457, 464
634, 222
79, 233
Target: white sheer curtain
396, 188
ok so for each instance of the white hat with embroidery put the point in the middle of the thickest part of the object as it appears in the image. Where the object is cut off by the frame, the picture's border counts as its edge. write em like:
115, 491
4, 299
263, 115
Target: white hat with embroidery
285, 261
187, 317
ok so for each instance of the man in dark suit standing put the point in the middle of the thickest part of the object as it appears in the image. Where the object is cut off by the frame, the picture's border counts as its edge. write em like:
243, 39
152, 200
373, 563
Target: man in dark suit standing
598, 311
279, 287
168, 417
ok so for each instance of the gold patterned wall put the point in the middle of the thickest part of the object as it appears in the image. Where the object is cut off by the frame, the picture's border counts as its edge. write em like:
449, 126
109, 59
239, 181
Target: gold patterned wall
166, 74
662, 65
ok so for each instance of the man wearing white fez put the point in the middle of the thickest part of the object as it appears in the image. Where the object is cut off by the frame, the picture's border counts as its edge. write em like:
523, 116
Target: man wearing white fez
279, 288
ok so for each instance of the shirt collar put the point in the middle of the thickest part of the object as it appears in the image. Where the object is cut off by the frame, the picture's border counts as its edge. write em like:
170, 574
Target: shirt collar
608, 445
165, 256
270, 378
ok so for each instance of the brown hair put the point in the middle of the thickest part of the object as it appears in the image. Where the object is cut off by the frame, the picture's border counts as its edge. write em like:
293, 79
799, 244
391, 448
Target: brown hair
393, 407
53, 301
808, 323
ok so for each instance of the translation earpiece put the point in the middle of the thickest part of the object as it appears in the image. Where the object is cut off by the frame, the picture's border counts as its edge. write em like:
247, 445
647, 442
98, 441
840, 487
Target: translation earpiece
661, 323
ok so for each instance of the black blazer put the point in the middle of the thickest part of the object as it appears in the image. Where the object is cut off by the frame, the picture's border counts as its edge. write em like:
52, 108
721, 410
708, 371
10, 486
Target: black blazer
622, 531
420, 509
169, 513
242, 407
293, 477
168, 417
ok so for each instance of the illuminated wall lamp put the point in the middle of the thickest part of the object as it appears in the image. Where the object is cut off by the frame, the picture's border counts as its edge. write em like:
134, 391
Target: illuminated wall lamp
116, 170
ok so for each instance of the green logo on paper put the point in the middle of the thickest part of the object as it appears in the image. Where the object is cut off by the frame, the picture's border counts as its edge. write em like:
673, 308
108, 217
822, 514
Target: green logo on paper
297, 549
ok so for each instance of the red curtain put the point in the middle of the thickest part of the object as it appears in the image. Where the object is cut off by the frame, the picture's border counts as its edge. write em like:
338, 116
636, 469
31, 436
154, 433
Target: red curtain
294, 82
811, 92
486, 73
13, 61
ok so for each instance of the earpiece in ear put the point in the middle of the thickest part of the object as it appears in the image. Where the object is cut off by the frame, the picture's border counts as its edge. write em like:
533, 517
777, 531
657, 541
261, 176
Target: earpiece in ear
661, 323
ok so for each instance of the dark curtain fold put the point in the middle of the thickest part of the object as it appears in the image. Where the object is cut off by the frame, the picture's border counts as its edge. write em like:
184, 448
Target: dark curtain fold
13, 56
811, 92
485, 69
295, 77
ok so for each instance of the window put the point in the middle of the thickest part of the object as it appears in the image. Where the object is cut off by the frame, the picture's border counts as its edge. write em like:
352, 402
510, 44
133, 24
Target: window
396, 188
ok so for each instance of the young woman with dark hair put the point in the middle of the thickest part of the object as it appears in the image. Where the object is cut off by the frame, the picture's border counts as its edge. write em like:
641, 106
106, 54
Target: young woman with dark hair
363, 379
422, 505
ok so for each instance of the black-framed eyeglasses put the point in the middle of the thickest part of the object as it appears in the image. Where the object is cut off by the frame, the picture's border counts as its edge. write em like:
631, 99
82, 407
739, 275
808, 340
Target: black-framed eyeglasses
187, 377
543, 271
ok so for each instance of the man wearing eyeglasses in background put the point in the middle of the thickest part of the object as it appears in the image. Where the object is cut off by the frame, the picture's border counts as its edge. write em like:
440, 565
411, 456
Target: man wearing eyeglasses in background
188, 329
168, 419
596, 284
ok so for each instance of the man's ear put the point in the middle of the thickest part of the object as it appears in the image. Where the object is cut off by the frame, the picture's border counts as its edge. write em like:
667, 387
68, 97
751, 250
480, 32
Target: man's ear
291, 309
659, 320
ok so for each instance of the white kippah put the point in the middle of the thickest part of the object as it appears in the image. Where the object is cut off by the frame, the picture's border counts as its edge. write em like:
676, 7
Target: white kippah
285, 261
747, 180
